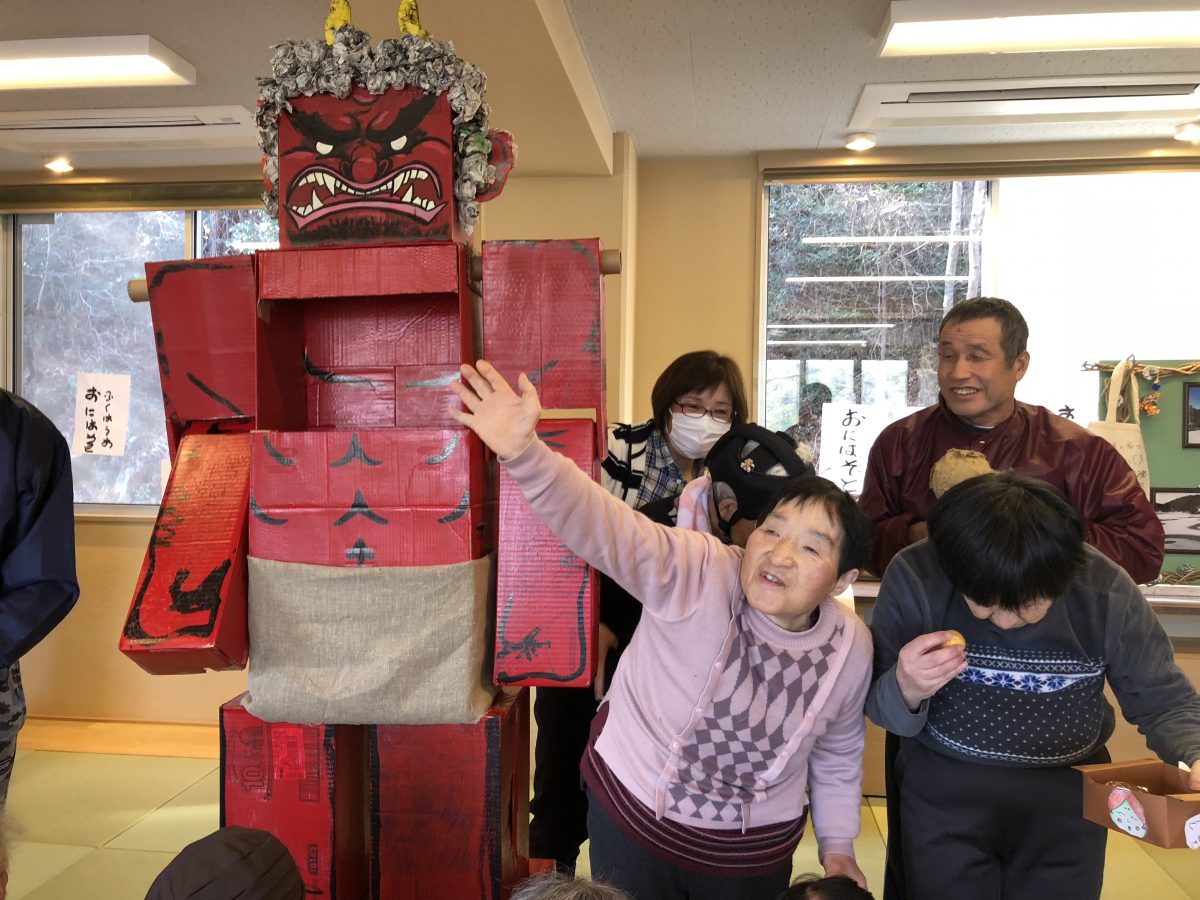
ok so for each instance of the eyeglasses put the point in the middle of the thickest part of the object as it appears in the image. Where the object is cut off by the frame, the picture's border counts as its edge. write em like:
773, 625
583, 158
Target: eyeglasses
694, 410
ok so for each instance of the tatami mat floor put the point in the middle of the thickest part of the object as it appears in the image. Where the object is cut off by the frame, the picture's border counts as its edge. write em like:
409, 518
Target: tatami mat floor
97, 810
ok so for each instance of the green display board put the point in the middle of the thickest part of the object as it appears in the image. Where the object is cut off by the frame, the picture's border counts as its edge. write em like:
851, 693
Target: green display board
1174, 468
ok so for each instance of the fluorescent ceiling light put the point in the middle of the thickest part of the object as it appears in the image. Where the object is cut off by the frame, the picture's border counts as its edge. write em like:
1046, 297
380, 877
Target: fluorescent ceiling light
114, 61
939, 27
60, 165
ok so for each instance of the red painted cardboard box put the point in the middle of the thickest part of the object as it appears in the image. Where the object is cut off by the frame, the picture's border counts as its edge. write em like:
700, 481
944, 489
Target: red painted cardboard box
363, 337
305, 785
401, 497
543, 314
450, 806
547, 611
189, 608
203, 312
1145, 798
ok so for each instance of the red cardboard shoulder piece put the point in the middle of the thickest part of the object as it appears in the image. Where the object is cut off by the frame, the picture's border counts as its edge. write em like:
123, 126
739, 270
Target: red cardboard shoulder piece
546, 604
450, 806
1145, 798
401, 497
543, 314
189, 609
305, 785
203, 312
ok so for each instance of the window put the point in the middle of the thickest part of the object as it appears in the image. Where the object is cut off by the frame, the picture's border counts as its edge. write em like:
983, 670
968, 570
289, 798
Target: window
73, 315
859, 275
858, 278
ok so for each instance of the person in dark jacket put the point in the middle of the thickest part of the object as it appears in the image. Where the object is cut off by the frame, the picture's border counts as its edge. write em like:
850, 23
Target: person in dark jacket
38, 586
994, 640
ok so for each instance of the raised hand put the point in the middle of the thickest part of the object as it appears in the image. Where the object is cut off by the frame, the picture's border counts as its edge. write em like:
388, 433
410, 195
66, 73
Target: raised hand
925, 665
504, 419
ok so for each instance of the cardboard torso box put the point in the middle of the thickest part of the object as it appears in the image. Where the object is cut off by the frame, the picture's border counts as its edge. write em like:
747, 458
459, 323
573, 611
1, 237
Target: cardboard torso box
189, 608
304, 784
450, 806
396, 497
362, 336
1145, 798
546, 597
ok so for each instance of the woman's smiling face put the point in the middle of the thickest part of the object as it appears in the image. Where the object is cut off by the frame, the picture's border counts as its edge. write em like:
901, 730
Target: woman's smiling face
791, 564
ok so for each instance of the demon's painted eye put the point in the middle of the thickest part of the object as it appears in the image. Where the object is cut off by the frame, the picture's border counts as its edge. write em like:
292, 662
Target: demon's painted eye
398, 143
323, 148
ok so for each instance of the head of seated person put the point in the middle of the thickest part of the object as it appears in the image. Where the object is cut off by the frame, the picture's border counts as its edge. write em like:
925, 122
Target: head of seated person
554, 885
833, 887
1010, 543
746, 467
246, 863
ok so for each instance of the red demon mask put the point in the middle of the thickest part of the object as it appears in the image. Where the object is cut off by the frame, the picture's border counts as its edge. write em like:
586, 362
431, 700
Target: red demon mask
366, 169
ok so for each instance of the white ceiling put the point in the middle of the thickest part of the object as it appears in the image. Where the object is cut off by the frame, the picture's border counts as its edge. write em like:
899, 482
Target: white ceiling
684, 77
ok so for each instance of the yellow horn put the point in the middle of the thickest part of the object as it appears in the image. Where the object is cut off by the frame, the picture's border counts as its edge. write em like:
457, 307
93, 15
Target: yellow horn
410, 19
339, 15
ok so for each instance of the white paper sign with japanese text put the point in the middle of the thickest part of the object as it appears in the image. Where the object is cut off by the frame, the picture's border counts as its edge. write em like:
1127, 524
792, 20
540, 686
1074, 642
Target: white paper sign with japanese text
847, 432
101, 414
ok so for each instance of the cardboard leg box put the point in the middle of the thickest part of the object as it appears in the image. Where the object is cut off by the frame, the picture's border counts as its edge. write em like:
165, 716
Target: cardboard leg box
1145, 798
450, 806
546, 597
305, 785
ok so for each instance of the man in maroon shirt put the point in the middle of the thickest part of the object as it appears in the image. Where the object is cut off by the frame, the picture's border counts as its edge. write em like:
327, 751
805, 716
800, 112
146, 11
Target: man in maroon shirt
981, 357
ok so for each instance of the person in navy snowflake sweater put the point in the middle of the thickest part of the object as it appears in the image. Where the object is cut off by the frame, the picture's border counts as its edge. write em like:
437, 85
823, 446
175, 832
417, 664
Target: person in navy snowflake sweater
988, 801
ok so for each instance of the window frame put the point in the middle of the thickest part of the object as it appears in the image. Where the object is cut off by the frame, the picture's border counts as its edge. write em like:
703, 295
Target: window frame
939, 163
32, 200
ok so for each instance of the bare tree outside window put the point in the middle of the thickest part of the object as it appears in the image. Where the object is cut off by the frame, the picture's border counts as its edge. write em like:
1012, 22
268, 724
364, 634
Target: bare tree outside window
75, 315
234, 232
859, 275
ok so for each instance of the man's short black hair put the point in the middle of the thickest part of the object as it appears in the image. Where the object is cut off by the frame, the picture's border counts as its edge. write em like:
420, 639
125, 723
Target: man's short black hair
1005, 539
699, 370
857, 529
1014, 332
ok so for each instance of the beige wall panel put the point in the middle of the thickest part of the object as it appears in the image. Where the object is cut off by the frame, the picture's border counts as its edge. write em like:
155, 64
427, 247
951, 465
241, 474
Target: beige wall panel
77, 672
697, 265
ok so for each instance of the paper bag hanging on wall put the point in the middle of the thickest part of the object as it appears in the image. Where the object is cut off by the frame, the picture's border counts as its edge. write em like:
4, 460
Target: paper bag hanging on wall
1126, 437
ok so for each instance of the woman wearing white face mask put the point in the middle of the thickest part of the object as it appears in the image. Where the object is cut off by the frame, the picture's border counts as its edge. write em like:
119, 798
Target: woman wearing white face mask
694, 401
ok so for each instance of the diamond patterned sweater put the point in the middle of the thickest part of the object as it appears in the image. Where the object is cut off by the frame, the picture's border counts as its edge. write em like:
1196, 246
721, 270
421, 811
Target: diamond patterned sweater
717, 717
